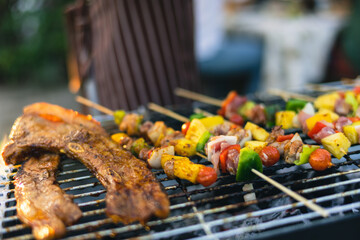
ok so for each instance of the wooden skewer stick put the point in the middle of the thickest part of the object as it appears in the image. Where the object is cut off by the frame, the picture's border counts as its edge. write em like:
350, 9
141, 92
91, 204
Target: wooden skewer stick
197, 97
323, 88
345, 83
343, 151
291, 193
201, 155
91, 104
323, 212
287, 95
167, 112
350, 81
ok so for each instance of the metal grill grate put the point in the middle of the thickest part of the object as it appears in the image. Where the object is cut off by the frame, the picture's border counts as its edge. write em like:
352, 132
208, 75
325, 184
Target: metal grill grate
219, 211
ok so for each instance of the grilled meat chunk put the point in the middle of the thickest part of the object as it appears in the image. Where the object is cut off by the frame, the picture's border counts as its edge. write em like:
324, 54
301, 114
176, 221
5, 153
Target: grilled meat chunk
60, 114
133, 193
40, 202
275, 132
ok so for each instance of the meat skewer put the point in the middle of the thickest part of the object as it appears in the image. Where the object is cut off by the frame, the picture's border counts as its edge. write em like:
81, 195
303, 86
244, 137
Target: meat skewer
306, 202
133, 193
40, 202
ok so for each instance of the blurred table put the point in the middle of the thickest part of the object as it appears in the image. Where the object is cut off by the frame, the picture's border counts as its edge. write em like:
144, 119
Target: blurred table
296, 49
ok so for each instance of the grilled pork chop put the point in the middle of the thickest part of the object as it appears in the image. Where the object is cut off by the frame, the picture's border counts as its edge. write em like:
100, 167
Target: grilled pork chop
40, 202
133, 193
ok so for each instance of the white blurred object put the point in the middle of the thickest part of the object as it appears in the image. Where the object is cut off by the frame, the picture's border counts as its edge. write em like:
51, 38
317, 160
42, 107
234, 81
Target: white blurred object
296, 49
209, 27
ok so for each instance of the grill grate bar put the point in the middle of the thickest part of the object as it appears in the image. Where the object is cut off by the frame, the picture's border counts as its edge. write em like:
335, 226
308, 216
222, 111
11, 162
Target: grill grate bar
61, 173
116, 231
192, 215
73, 171
95, 202
221, 197
280, 222
283, 208
333, 185
76, 179
89, 194
217, 204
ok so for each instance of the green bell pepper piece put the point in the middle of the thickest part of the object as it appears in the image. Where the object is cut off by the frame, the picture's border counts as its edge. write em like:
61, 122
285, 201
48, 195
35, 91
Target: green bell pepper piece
246, 107
138, 145
350, 99
295, 105
196, 115
270, 114
305, 154
202, 141
119, 116
248, 159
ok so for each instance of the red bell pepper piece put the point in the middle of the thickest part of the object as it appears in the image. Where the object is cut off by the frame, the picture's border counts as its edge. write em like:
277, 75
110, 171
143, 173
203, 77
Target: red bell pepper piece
224, 155
356, 90
149, 154
284, 137
354, 119
230, 97
237, 119
317, 128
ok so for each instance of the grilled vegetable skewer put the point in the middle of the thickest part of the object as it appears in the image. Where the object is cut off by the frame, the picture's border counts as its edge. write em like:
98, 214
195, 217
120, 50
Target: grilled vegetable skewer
293, 150
248, 156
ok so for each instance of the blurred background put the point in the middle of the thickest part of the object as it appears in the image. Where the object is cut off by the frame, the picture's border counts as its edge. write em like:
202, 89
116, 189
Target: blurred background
246, 45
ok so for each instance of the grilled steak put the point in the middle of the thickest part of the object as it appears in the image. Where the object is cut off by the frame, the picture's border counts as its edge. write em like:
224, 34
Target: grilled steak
40, 202
133, 193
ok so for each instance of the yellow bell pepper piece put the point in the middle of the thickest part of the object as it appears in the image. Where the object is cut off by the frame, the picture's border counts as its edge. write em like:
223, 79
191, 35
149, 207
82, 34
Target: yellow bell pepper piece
258, 133
337, 144
167, 157
356, 123
333, 115
310, 122
195, 131
358, 98
184, 147
285, 118
211, 122
183, 167
117, 137
327, 101
257, 146
351, 134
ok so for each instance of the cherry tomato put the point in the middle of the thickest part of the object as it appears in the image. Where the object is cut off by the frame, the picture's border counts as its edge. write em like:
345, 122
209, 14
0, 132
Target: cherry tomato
206, 176
269, 155
237, 119
224, 156
185, 127
320, 159
284, 137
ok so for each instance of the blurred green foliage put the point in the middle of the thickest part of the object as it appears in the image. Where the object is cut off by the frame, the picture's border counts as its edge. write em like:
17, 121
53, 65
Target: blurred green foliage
33, 42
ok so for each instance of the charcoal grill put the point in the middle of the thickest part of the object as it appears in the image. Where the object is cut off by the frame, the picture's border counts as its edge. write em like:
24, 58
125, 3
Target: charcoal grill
219, 211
